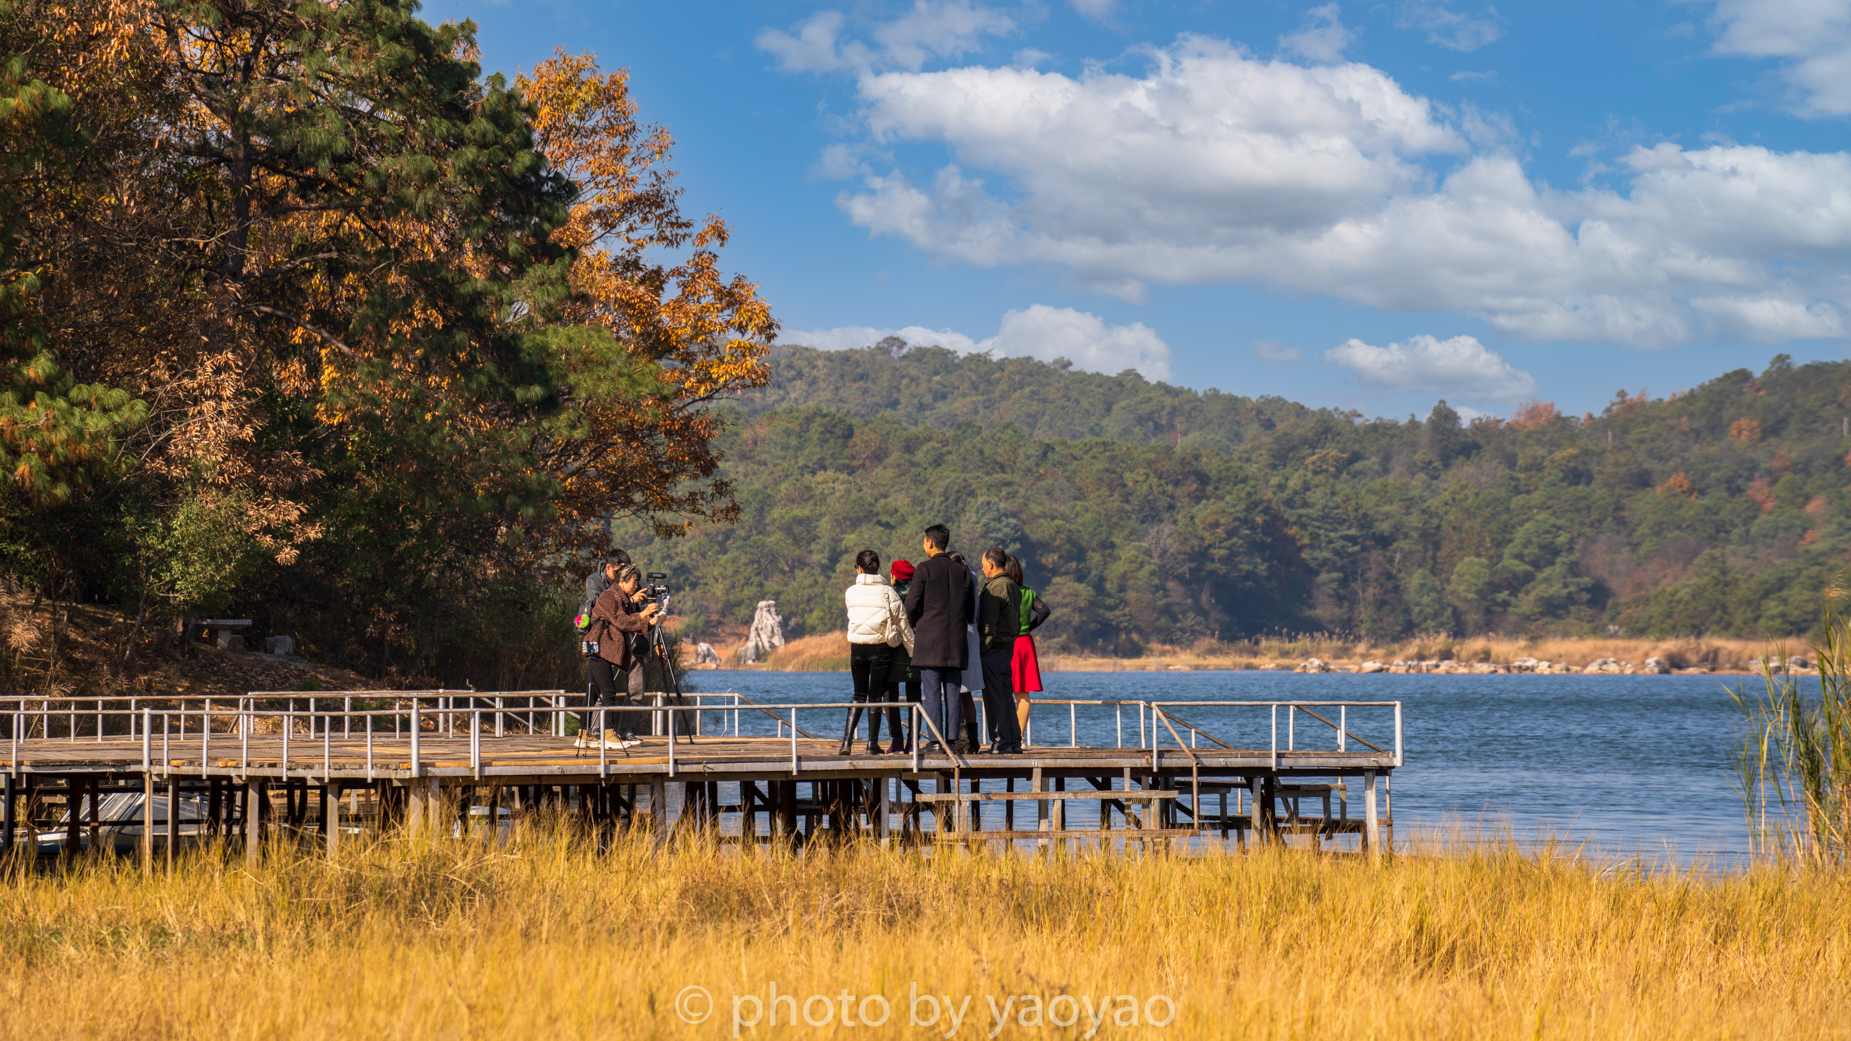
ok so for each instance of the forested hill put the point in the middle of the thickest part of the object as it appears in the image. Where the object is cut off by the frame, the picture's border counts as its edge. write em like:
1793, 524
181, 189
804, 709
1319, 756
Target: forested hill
935, 387
1721, 510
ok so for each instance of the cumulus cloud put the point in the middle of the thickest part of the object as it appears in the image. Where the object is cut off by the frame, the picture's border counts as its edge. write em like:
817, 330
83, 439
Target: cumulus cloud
1811, 38
1460, 365
1447, 27
1215, 167
1037, 331
932, 29
1097, 10
1322, 38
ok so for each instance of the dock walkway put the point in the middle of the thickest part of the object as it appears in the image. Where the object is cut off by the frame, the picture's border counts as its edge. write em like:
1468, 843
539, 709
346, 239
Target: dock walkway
328, 763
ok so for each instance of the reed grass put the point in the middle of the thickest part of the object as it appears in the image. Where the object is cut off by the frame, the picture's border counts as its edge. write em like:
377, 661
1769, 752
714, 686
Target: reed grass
1794, 767
546, 937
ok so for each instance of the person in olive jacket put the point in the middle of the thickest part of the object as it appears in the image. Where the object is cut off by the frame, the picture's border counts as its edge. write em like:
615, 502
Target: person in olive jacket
940, 604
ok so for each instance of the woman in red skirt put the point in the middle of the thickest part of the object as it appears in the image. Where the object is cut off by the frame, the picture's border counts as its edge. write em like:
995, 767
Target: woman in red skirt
1025, 668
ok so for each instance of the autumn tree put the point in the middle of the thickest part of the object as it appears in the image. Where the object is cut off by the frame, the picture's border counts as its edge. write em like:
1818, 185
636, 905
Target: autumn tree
704, 334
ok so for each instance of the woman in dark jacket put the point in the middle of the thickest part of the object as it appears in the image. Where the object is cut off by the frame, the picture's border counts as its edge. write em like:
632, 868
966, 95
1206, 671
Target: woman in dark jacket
902, 673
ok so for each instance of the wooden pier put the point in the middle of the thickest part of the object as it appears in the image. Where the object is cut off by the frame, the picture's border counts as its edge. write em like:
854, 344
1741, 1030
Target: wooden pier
323, 765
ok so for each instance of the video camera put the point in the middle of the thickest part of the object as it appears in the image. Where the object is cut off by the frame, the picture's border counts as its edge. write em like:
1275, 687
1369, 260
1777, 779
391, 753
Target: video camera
657, 589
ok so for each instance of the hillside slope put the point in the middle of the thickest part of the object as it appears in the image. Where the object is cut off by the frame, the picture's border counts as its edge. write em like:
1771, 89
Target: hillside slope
1153, 514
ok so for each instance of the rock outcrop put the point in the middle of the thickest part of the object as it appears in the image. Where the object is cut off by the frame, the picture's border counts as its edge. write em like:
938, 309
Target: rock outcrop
766, 634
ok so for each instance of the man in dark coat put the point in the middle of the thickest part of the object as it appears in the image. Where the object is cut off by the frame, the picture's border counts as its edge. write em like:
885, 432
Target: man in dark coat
940, 604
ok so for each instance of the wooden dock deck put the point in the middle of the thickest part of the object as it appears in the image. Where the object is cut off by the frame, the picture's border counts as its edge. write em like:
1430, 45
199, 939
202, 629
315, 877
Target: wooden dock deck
267, 765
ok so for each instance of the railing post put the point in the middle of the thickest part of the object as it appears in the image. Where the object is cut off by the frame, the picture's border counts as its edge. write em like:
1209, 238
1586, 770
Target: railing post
1397, 733
415, 728
1275, 735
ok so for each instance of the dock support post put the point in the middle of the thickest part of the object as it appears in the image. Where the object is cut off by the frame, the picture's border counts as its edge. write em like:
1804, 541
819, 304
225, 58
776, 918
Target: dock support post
173, 820
253, 823
1035, 784
658, 809
331, 815
1372, 825
6, 826
1257, 818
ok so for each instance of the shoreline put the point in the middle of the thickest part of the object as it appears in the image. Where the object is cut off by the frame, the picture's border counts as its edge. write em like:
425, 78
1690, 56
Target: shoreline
1437, 656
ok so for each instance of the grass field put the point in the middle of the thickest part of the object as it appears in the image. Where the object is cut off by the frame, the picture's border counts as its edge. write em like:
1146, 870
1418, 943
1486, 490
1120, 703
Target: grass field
546, 938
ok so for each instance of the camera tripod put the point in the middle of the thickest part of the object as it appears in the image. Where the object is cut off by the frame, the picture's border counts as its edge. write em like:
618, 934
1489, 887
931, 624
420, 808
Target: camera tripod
658, 649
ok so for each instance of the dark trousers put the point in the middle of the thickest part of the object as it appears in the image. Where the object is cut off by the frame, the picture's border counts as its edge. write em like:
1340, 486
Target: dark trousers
940, 696
894, 715
867, 667
606, 683
999, 696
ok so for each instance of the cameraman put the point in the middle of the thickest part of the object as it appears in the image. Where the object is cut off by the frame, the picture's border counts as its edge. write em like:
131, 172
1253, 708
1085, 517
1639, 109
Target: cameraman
598, 581
616, 619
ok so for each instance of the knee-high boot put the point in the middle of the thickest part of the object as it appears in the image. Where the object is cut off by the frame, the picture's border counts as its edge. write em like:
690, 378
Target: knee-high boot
848, 732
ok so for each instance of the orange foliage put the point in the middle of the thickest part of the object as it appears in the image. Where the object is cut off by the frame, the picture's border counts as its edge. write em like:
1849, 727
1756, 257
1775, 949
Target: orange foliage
704, 334
1678, 484
1748, 430
1760, 494
1534, 414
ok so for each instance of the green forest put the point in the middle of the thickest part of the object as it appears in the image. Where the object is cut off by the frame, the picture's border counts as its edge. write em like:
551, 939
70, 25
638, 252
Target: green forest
1155, 515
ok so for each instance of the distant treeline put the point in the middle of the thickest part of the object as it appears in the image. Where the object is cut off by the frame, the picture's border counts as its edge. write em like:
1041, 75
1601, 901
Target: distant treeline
1155, 514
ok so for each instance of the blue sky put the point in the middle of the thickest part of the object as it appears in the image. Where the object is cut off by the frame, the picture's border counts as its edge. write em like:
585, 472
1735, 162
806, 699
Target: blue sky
1355, 205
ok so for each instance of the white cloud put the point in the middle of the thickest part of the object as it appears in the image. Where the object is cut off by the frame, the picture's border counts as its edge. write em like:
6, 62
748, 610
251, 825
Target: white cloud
1097, 10
932, 29
1269, 350
1460, 365
1037, 331
1449, 28
1322, 38
1215, 167
1812, 37
814, 46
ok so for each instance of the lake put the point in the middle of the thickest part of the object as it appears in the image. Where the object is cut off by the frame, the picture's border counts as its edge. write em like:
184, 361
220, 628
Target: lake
1627, 765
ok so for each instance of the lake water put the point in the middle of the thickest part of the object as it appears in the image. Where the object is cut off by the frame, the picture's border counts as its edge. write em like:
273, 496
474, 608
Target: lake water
1627, 765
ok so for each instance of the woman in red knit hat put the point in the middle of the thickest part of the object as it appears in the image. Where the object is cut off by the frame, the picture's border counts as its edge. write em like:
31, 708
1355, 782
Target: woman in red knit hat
902, 673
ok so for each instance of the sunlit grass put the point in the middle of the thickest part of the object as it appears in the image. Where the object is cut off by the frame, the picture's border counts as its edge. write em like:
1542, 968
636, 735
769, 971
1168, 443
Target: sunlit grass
547, 937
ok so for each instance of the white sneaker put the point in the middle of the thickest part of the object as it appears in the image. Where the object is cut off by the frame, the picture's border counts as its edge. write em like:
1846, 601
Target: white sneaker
582, 741
631, 742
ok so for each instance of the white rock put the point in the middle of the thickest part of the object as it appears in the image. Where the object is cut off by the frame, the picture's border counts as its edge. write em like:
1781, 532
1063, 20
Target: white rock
766, 634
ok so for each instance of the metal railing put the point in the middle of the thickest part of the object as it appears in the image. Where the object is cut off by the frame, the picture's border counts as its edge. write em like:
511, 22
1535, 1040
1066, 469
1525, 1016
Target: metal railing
323, 715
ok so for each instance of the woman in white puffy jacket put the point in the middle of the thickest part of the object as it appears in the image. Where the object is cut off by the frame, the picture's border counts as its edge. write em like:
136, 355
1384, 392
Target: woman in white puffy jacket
876, 624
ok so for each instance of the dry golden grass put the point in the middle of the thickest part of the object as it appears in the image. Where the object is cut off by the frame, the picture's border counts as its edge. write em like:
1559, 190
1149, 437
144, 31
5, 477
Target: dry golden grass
546, 938
829, 652
823, 652
1716, 654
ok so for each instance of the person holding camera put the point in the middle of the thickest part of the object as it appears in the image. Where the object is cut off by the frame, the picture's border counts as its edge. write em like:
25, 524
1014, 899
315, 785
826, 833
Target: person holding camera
876, 626
619, 621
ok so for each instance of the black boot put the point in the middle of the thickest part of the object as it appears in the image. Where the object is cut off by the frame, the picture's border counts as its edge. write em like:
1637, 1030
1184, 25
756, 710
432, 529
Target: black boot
874, 729
848, 732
